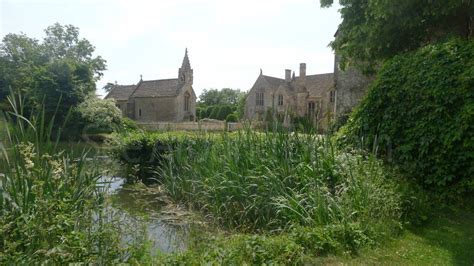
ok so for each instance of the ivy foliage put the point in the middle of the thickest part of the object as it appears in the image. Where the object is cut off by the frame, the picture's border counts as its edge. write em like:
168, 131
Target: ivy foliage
373, 31
420, 113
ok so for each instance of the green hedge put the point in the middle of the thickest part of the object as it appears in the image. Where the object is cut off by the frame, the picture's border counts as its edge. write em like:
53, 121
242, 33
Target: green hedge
143, 153
419, 112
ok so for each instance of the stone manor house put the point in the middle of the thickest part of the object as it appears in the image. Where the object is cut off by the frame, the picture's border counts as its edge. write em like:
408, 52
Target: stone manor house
170, 100
319, 97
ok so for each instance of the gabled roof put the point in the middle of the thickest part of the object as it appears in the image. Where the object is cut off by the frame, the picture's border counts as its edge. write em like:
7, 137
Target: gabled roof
120, 92
316, 84
274, 82
158, 88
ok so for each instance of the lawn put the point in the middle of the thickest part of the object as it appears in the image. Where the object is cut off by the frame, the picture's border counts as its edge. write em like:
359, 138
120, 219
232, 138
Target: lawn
448, 239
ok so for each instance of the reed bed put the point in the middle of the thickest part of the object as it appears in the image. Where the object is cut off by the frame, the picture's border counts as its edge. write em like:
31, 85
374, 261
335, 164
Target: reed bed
51, 211
284, 182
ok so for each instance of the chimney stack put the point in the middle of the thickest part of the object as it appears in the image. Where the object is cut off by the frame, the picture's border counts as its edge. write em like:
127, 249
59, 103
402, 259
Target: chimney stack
303, 70
287, 75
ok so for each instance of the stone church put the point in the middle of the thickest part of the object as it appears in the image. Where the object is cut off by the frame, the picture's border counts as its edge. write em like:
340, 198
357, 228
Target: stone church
320, 97
162, 100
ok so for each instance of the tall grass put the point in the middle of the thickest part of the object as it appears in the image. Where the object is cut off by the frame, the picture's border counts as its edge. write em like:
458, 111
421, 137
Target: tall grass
256, 182
49, 204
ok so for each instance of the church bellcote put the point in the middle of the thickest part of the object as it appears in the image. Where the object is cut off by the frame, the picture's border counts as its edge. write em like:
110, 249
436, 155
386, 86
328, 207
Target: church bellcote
185, 71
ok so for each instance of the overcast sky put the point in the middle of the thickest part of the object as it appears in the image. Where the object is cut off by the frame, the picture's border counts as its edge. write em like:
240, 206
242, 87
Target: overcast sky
228, 41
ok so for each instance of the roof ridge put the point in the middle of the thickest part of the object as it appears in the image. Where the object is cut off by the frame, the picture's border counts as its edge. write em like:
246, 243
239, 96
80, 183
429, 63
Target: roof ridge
272, 77
330, 73
159, 79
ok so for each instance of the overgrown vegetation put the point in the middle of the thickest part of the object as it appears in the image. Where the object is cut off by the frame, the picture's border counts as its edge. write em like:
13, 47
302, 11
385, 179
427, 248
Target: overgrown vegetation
374, 31
433, 141
321, 199
51, 209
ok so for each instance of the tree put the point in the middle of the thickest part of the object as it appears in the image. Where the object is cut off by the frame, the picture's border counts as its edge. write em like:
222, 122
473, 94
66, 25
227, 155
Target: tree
372, 31
225, 96
55, 75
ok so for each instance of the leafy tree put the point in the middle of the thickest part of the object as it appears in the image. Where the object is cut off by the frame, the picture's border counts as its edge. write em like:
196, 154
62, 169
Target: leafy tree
55, 74
225, 96
373, 31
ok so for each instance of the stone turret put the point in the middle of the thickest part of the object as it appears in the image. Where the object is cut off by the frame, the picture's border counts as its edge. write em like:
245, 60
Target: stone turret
185, 71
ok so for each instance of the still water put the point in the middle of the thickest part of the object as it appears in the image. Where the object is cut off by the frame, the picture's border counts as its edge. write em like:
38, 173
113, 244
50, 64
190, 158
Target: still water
144, 214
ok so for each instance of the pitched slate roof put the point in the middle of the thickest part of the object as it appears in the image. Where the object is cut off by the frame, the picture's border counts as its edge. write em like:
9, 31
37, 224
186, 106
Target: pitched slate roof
158, 88
121, 92
316, 84
274, 82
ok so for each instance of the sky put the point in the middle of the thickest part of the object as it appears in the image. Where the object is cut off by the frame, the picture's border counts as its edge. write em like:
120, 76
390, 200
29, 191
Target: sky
228, 41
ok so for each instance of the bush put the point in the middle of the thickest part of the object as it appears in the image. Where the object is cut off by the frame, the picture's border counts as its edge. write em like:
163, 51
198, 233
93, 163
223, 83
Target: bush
231, 118
214, 112
99, 115
143, 153
420, 114
129, 124
224, 111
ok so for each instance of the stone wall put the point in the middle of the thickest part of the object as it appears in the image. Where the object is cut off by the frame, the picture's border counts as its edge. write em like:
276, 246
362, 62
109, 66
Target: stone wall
186, 126
155, 109
122, 105
181, 114
351, 86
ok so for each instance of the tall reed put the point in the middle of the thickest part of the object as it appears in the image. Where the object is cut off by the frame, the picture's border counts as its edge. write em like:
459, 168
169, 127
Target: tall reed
254, 181
49, 202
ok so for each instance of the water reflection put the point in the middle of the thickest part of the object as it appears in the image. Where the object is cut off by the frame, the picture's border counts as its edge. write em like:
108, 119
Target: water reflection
140, 212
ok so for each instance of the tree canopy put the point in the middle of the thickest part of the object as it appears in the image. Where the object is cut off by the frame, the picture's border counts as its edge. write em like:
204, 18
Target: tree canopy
218, 104
55, 74
224, 96
375, 30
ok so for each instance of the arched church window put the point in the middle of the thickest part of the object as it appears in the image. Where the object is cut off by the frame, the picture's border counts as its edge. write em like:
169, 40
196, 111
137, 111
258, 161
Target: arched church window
186, 101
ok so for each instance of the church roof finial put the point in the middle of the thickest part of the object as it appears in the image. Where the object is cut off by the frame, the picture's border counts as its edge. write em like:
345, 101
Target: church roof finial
186, 64
261, 72
141, 77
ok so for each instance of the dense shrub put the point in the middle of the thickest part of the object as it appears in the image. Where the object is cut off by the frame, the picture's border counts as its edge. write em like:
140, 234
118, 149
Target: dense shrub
224, 111
142, 153
420, 114
231, 118
100, 115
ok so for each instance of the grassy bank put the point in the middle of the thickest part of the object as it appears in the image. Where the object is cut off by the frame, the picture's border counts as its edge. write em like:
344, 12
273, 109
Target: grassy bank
448, 239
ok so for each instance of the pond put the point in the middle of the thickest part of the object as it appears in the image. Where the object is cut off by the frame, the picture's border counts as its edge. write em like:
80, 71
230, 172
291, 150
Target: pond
142, 211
